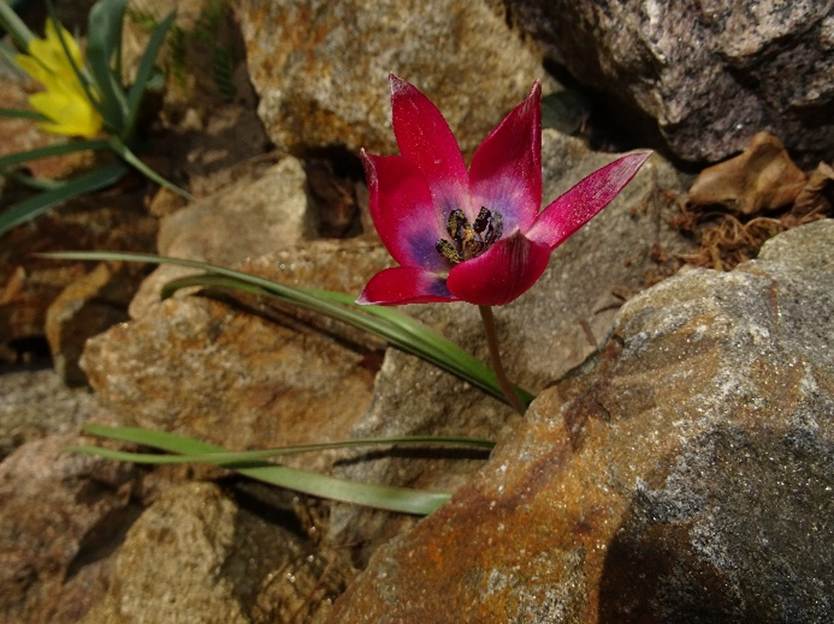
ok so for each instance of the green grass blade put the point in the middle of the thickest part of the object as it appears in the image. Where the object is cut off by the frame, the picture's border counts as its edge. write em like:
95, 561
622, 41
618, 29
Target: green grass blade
421, 342
39, 184
398, 328
58, 149
19, 113
225, 458
438, 342
143, 74
7, 57
104, 27
133, 160
15, 26
418, 339
399, 499
37, 205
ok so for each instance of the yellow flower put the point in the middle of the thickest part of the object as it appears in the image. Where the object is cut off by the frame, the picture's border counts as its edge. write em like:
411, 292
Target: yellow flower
64, 101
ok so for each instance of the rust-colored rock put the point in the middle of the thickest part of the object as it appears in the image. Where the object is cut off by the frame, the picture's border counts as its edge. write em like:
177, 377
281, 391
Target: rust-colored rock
237, 376
682, 475
229, 376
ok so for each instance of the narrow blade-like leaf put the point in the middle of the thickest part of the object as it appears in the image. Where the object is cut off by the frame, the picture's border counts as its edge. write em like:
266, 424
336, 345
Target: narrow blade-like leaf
58, 149
15, 26
104, 28
22, 113
390, 498
401, 330
239, 457
143, 74
406, 333
37, 205
134, 161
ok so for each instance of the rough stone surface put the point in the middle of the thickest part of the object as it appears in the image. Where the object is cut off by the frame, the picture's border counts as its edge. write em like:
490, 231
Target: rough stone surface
199, 367
250, 218
36, 404
196, 556
683, 474
61, 515
260, 212
86, 307
710, 73
232, 375
565, 316
113, 219
320, 67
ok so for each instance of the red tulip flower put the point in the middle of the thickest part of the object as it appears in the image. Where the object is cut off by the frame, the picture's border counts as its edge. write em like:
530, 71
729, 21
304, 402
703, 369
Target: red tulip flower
473, 235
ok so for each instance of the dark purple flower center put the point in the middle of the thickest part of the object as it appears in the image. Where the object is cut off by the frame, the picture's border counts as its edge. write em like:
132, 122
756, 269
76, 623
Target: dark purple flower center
467, 240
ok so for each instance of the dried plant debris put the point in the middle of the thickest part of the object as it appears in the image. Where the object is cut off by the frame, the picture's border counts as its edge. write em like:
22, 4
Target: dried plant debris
733, 207
761, 178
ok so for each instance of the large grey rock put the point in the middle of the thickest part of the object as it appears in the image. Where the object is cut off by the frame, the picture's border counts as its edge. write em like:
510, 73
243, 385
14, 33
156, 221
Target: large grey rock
546, 332
320, 67
684, 474
711, 74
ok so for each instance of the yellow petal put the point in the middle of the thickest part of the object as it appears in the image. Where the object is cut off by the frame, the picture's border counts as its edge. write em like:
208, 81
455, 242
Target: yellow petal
53, 41
32, 67
69, 114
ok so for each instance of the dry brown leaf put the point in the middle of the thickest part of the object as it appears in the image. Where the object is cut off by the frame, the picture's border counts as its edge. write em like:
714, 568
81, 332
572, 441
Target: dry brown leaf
761, 178
816, 195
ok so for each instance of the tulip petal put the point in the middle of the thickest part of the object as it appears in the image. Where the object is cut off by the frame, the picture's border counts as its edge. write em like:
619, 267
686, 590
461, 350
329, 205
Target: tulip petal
424, 137
401, 285
403, 212
500, 274
506, 170
583, 201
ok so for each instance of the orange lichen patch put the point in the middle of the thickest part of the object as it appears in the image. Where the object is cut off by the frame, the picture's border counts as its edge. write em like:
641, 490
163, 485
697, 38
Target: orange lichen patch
735, 206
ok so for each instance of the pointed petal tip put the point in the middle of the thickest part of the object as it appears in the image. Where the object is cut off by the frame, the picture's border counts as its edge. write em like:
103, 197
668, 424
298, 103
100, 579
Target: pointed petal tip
571, 210
397, 84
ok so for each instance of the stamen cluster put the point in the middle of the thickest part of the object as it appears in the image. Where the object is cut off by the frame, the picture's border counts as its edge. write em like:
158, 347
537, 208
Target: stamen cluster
469, 240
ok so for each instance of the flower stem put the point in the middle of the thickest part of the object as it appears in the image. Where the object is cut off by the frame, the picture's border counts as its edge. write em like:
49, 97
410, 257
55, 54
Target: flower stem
495, 358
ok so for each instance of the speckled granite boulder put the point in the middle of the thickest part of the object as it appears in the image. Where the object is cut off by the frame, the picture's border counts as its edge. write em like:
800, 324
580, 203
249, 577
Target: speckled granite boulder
711, 74
684, 474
